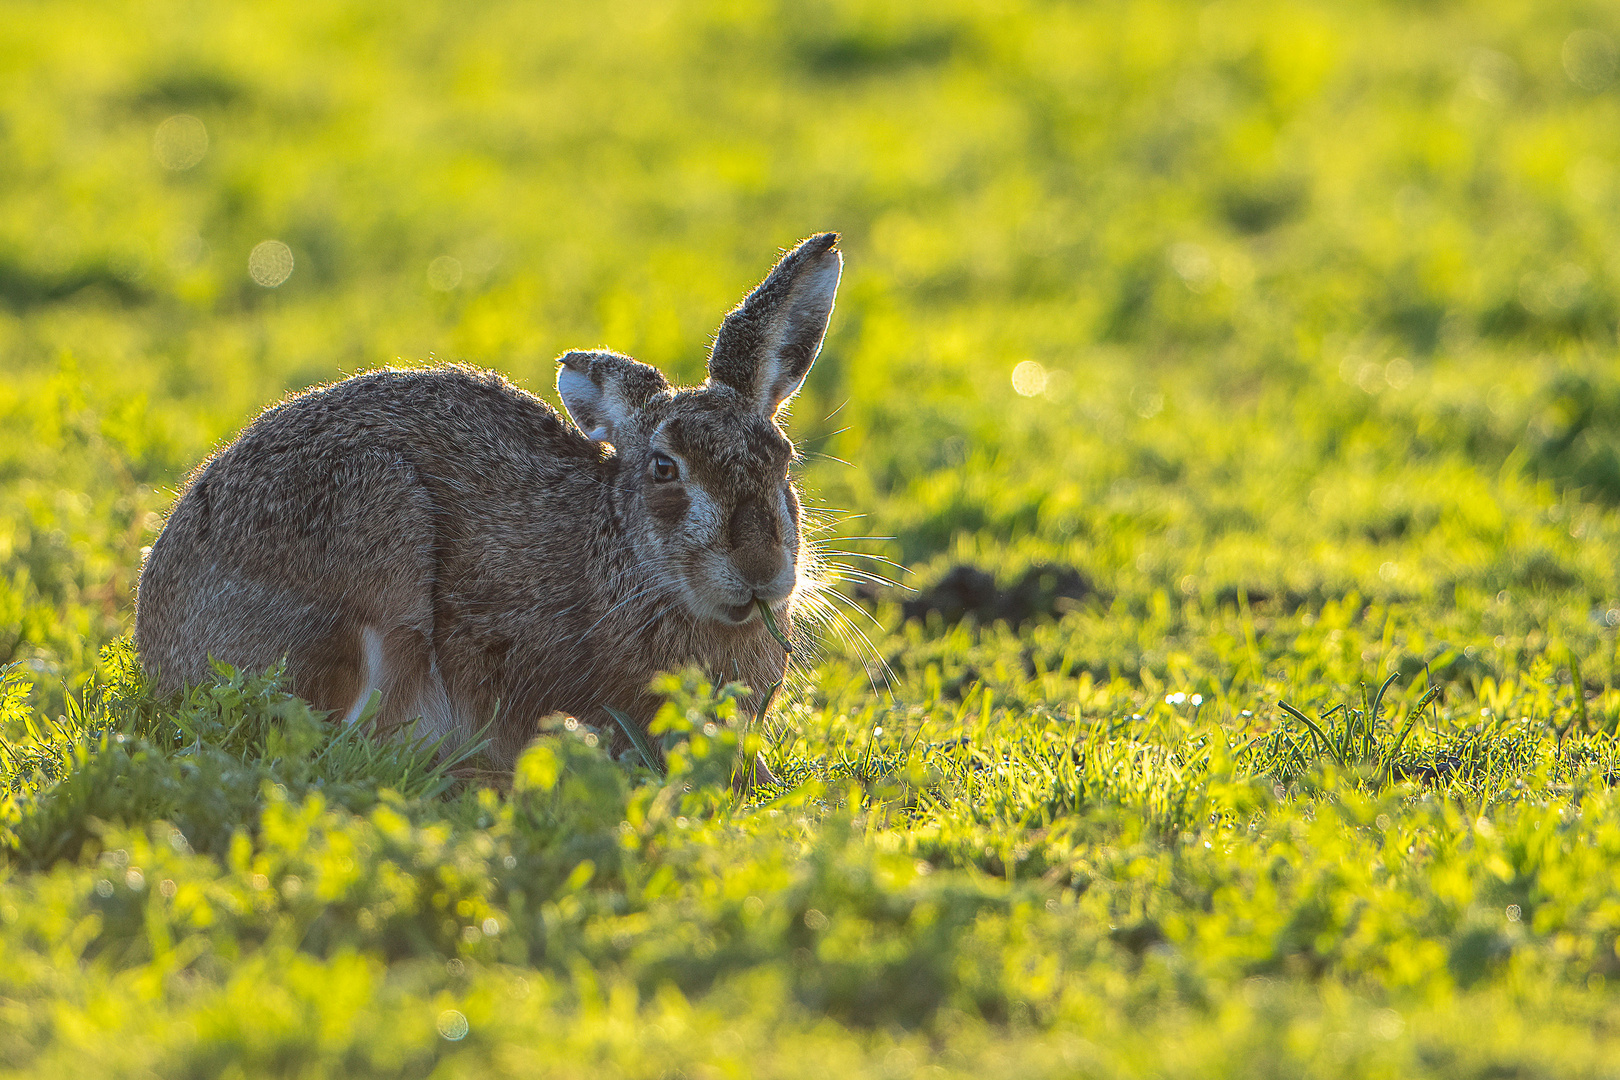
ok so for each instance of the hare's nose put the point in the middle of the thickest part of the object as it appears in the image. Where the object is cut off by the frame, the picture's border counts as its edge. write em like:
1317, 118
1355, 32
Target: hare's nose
756, 542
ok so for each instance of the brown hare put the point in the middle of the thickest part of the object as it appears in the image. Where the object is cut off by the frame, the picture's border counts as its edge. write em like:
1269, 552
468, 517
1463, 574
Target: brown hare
449, 541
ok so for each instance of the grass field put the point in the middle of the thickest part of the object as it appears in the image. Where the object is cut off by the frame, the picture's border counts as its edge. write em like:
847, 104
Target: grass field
1235, 386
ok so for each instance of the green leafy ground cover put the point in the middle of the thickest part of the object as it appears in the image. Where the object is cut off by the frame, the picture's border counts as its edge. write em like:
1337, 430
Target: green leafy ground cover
1204, 366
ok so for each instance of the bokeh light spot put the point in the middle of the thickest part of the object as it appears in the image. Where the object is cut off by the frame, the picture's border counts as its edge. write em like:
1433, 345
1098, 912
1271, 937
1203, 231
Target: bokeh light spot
452, 1025
270, 263
1591, 60
188, 250
1398, 373
1193, 265
1492, 76
180, 142
1029, 378
444, 273
1147, 403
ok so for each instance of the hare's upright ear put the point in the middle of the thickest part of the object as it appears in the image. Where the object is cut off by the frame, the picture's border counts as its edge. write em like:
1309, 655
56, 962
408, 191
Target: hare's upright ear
603, 391
766, 345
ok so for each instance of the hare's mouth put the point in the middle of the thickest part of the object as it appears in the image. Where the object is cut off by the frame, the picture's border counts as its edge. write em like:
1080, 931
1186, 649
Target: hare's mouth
737, 614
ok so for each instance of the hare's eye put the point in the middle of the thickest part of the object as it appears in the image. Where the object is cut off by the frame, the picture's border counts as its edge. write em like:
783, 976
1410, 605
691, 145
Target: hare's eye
664, 468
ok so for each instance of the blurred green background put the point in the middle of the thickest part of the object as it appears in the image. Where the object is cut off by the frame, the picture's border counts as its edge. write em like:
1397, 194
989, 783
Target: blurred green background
1311, 297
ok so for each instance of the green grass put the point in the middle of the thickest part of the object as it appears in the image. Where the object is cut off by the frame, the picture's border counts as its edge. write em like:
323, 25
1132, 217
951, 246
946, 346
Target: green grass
1262, 355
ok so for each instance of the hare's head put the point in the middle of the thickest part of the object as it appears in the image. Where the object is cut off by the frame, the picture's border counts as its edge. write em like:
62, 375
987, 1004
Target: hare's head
702, 485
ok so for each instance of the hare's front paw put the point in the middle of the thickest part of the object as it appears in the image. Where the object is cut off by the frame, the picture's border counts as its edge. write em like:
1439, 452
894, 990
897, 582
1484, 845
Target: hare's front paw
753, 774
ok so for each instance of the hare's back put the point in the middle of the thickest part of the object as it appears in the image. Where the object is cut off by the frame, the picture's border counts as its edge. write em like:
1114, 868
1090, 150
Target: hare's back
439, 418
329, 512
343, 459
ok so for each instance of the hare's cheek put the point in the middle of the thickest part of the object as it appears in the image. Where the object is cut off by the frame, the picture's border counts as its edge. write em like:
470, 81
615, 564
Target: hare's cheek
668, 504
705, 522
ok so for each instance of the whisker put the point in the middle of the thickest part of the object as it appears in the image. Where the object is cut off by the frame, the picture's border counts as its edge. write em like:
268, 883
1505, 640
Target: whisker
838, 572
890, 679
864, 555
856, 571
820, 601
819, 610
821, 521
827, 435
836, 595
829, 457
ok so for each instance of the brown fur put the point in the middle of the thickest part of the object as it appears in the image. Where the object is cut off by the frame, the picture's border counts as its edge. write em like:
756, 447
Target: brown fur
451, 541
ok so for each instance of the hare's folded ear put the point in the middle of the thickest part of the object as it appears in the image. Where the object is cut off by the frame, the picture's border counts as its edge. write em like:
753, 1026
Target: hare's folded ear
766, 345
603, 391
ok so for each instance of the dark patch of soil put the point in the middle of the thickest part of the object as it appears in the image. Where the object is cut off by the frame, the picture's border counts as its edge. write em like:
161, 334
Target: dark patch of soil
1045, 590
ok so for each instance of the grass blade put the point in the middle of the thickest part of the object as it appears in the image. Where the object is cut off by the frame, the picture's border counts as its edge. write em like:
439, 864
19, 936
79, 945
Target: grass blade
770, 624
1378, 702
1579, 684
638, 739
765, 706
1316, 732
1411, 719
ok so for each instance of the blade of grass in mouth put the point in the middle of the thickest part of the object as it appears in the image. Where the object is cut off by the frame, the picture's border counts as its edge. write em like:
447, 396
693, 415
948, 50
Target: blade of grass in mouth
770, 624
